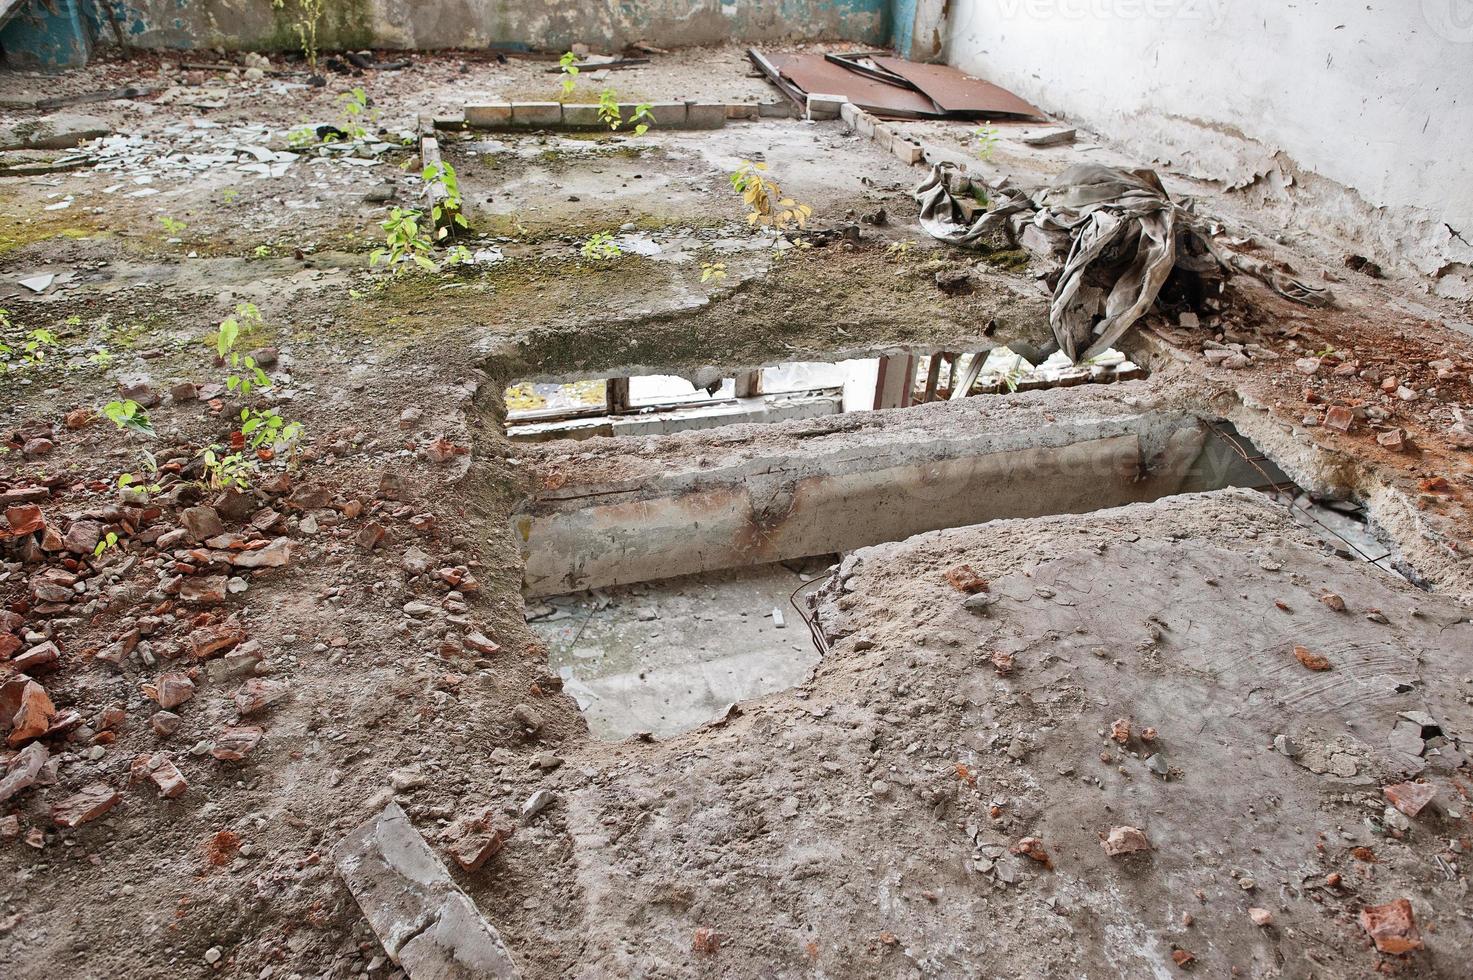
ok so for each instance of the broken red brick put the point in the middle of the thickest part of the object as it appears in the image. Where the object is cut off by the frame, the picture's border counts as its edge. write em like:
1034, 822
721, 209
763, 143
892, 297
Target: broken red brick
37, 660
79, 418
706, 941
161, 769
165, 723
1148, 734
63, 722
203, 590
207, 641
964, 578
92, 802
9, 643
170, 690
442, 450
460, 578
472, 841
274, 554
1437, 484
1182, 958
1333, 601
110, 718
1391, 926
1124, 840
236, 742
1120, 730
1311, 661
1002, 662
1409, 798
482, 643
258, 694
370, 536
33, 716
221, 847
1033, 848
23, 770
1339, 418
1392, 439
1261, 917
24, 519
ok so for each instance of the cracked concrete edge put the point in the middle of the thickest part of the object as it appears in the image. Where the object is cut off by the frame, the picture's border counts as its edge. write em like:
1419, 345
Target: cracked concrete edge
426, 924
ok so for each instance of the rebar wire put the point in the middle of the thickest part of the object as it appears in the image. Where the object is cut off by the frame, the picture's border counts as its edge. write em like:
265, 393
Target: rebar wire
1293, 490
812, 624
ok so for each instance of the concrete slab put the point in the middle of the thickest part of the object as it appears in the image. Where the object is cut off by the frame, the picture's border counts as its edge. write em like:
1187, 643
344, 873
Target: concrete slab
426, 924
913, 747
669, 656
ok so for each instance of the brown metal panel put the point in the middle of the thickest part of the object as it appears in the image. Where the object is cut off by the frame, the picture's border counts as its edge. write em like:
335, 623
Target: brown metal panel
814, 74
959, 93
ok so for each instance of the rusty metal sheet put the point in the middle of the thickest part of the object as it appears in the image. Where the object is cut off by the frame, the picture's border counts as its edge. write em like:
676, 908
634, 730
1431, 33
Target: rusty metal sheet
961, 94
813, 74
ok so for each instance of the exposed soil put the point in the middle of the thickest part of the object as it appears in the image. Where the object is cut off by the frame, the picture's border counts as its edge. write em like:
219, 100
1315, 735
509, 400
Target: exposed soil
839, 829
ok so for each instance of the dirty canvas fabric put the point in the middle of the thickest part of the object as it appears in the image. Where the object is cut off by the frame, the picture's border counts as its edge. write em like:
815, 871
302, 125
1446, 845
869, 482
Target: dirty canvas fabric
1123, 234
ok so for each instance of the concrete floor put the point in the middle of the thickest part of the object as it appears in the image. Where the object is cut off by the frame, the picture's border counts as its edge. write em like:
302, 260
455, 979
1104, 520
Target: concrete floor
668, 656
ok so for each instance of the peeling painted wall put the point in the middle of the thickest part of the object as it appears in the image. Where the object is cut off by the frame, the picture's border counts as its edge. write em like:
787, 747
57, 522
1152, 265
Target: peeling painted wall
1351, 118
545, 24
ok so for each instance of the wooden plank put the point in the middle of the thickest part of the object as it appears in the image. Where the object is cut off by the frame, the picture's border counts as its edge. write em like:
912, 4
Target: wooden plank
933, 377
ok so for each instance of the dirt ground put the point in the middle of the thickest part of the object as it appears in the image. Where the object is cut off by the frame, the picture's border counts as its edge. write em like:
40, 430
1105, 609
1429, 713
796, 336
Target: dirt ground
360, 604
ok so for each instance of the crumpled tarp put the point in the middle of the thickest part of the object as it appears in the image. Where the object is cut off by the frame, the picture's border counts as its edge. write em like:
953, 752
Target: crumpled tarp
1123, 235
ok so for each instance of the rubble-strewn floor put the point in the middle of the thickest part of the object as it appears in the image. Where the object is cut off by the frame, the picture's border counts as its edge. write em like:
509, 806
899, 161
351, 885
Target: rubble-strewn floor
367, 600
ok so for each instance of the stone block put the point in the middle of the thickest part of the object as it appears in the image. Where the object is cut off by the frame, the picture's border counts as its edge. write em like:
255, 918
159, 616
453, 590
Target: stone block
493, 116
581, 116
705, 115
781, 109
906, 150
536, 115
849, 112
668, 115
825, 106
741, 110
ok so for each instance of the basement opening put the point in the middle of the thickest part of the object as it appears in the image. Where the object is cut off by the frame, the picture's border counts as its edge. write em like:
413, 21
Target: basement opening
541, 410
666, 596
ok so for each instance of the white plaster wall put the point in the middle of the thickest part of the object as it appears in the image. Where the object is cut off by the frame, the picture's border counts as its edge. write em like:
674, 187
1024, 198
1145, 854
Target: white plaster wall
1375, 95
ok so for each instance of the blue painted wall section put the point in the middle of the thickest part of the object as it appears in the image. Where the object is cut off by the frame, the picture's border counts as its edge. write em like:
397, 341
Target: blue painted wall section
902, 24
60, 33
49, 35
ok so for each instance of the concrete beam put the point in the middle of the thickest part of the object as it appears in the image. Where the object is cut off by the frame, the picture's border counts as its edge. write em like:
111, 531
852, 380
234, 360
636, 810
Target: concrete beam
797, 498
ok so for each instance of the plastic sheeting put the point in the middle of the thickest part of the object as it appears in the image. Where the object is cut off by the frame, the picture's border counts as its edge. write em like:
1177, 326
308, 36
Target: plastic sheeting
1123, 236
